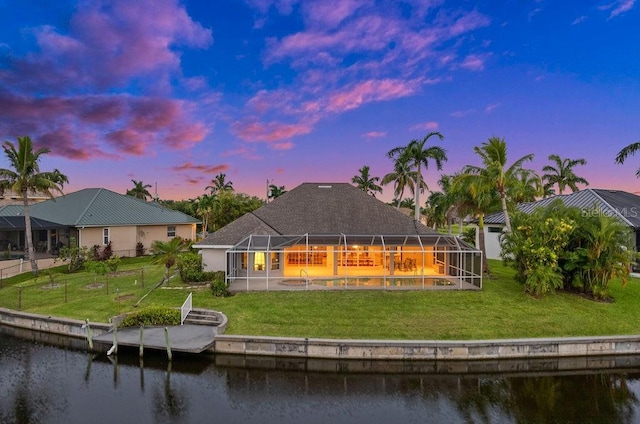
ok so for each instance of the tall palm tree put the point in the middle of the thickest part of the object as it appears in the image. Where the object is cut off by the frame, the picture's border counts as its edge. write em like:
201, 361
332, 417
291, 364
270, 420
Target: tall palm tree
631, 149
204, 207
562, 174
474, 197
166, 252
401, 177
418, 155
495, 173
275, 191
139, 190
219, 183
24, 178
365, 182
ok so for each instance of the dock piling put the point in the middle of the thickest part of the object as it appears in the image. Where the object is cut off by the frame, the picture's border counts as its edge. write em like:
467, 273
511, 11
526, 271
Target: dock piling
166, 336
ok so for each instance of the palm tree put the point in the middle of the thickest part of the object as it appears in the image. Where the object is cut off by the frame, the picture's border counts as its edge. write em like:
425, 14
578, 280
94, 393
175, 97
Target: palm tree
402, 177
25, 177
167, 253
204, 207
526, 187
474, 197
417, 155
631, 149
366, 183
139, 190
219, 184
495, 173
562, 174
275, 191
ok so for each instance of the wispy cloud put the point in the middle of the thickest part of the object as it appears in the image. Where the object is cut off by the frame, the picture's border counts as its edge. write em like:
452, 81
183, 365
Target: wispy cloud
431, 126
618, 7
374, 134
205, 169
461, 113
579, 20
397, 56
489, 108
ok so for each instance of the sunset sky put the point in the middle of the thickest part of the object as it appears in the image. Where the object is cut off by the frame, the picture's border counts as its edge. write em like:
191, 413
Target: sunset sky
173, 92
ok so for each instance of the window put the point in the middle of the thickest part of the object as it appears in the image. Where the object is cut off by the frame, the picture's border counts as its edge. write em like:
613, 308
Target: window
258, 261
275, 260
171, 231
243, 260
105, 236
494, 229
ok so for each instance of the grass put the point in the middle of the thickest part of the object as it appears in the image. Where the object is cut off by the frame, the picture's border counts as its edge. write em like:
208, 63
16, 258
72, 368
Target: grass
500, 310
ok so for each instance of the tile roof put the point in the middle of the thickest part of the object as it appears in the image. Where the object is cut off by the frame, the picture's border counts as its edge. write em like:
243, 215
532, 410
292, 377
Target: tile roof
100, 207
622, 205
319, 208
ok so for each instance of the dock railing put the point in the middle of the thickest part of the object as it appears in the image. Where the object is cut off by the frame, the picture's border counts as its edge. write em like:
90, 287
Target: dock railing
186, 308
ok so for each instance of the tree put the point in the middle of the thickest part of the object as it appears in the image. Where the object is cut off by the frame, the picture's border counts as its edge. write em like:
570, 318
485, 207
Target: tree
476, 198
167, 253
204, 207
418, 155
367, 183
219, 184
562, 174
631, 149
401, 177
442, 205
526, 187
495, 173
139, 190
275, 191
229, 206
25, 177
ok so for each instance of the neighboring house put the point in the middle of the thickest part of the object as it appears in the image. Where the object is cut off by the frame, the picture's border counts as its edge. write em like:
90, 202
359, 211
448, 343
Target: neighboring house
9, 197
95, 216
333, 234
621, 205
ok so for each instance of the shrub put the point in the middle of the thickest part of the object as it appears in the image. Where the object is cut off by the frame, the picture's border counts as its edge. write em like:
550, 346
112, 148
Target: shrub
190, 265
152, 316
219, 287
75, 255
113, 263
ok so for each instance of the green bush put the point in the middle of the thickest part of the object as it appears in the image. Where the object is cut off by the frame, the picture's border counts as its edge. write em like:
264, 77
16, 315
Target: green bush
190, 266
152, 316
219, 287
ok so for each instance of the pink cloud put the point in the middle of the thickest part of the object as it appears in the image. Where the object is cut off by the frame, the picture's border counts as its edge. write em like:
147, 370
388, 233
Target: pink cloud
330, 13
129, 125
285, 145
461, 113
469, 22
371, 90
473, 63
206, 169
110, 45
269, 132
431, 125
374, 134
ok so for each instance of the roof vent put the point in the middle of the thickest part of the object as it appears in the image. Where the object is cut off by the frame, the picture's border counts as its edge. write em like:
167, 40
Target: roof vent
324, 186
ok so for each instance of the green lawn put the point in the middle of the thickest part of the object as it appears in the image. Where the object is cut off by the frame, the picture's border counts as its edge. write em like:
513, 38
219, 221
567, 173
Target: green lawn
500, 310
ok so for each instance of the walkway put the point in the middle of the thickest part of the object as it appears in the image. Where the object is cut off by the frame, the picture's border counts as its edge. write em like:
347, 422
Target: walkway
182, 338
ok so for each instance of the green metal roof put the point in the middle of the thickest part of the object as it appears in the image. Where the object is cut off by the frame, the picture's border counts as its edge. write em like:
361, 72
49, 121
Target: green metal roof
11, 210
93, 207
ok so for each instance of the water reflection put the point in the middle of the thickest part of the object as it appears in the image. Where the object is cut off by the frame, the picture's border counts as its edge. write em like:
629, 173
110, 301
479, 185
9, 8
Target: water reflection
44, 384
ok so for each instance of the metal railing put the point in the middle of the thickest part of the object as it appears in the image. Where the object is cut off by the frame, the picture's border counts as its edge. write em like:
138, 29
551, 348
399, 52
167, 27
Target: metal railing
186, 307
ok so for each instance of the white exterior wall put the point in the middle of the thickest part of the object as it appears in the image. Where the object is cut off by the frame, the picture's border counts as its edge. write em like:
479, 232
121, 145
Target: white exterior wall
214, 259
491, 241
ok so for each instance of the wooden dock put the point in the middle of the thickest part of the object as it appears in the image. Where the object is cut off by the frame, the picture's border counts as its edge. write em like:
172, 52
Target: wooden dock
186, 338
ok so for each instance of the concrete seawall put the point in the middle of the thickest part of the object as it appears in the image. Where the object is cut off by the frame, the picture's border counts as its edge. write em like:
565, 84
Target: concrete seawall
427, 350
52, 325
368, 350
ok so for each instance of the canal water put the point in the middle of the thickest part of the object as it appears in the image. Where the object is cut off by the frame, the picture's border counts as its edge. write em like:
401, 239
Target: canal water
41, 383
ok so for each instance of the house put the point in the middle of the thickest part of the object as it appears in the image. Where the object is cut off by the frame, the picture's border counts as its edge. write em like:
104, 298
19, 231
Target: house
621, 205
321, 235
94, 216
